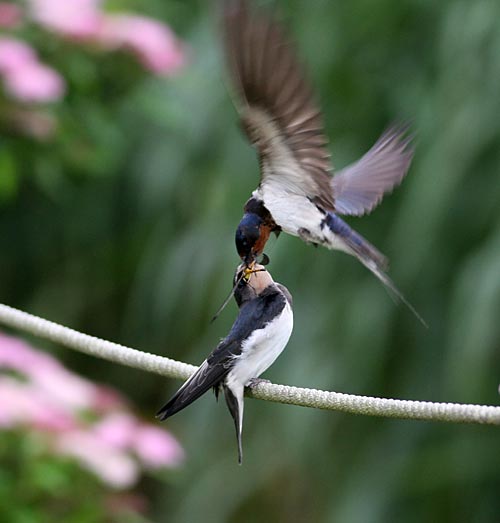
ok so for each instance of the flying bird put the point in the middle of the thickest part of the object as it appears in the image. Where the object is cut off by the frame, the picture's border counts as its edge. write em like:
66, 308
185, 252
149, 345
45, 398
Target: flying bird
257, 337
297, 193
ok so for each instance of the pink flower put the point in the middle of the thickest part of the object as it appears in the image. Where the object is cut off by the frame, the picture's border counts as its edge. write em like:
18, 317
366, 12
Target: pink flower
10, 15
157, 448
17, 355
14, 54
117, 429
107, 399
114, 467
23, 405
65, 389
73, 18
151, 41
34, 82
25, 78
50, 399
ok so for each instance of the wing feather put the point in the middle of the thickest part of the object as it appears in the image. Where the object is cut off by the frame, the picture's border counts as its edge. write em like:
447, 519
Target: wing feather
360, 187
282, 120
254, 314
277, 110
206, 377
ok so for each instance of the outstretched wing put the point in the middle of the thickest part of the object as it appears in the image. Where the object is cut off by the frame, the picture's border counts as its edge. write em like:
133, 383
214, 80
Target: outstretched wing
360, 187
277, 108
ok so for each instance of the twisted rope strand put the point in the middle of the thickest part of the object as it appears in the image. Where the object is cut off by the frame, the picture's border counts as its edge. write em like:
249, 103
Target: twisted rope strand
390, 408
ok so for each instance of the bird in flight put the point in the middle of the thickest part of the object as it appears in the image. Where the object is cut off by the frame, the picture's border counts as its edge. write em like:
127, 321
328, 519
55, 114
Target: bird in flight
257, 337
297, 193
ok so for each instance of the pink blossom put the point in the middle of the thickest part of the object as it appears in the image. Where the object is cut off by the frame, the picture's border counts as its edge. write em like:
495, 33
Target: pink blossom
117, 429
14, 54
49, 398
17, 355
65, 389
34, 82
151, 41
107, 399
23, 405
10, 15
25, 78
73, 18
157, 448
114, 467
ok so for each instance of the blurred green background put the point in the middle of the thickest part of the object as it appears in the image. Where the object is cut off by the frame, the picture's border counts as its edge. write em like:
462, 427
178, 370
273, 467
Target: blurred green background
122, 226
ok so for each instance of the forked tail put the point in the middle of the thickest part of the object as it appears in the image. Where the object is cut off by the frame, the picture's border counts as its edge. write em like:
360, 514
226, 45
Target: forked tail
369, 256
234, 403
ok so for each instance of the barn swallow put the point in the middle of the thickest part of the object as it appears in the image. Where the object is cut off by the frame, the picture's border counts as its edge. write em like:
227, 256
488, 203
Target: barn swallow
257, 337
297, 193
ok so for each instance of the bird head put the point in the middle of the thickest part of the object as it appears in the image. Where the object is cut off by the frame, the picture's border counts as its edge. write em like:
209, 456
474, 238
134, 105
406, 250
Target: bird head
250, 282
251, 237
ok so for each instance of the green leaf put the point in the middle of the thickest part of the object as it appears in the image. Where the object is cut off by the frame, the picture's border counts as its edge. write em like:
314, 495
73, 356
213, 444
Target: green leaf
8, 176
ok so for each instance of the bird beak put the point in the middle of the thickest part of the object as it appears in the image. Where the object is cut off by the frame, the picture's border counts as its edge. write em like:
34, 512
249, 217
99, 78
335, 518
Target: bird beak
265, 259
252, 259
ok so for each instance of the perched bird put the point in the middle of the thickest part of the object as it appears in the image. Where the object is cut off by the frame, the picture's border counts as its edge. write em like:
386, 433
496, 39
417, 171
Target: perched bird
257, 337
297, 193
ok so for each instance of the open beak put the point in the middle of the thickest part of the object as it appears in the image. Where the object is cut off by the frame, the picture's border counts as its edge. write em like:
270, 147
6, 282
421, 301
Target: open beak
253, 257
250, 260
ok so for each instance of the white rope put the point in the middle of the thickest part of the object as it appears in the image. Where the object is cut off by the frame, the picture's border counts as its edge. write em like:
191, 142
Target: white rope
423, 410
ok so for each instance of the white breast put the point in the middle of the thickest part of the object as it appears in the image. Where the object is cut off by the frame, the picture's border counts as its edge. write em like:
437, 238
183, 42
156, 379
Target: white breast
298, 216
261, 349
292, 212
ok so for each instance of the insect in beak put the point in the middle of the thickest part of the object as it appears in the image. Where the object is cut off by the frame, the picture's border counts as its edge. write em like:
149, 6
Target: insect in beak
245, 275
248, 271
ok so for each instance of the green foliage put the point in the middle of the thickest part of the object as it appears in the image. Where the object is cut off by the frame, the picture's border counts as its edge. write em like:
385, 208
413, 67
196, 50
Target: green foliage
123, 228
36, 486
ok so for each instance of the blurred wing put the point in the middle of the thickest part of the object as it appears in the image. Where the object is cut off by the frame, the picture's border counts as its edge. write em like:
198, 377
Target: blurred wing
277, 109
360, 187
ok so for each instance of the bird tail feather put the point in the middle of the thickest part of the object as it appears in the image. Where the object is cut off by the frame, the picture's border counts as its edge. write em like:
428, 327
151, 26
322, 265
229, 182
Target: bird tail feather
235, 406
369, 256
